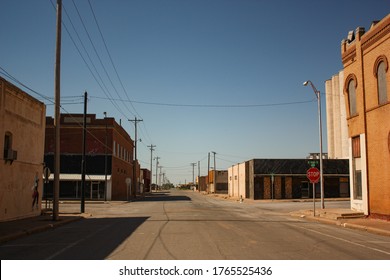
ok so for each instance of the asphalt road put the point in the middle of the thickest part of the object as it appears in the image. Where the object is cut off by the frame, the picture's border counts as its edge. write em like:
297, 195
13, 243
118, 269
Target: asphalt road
187, 225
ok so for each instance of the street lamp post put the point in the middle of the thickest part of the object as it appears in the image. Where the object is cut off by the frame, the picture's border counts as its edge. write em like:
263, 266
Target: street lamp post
318, 95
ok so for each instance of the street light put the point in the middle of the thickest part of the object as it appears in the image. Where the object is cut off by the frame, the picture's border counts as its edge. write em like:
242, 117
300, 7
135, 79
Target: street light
318, 95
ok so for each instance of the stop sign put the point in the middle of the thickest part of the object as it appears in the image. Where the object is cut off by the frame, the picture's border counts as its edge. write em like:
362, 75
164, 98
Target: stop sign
313, 174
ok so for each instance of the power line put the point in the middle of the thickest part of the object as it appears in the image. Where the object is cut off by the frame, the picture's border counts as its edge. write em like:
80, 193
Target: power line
109, 55
96, 53
86, 64
116, 71
12, 78
215, 105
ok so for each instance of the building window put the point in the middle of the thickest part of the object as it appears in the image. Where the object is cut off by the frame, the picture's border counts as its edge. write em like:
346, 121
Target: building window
352, 97
356, 147
357, 172
8, 141
357, 186
113, 149
382, 83
8, 153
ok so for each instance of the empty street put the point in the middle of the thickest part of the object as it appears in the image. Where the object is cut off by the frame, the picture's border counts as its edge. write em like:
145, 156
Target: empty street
186, 225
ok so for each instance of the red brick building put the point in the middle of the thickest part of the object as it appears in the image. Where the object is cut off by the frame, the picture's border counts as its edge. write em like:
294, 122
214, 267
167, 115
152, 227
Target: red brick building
109, 158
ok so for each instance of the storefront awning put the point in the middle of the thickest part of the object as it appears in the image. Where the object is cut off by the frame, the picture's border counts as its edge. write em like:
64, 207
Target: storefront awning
77, 177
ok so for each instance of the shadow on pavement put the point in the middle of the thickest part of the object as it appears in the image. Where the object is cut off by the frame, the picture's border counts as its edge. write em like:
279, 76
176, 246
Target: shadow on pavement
165, 196
87, 239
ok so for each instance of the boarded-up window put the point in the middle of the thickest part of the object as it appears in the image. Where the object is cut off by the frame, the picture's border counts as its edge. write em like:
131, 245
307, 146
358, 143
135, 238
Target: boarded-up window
352, 98
356, 147
357, 187
382, 84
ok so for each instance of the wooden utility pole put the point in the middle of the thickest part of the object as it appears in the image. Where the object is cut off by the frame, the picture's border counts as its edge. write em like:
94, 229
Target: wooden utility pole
199, 176
151, 162
208, 173
215, 174
135, 179
57, 112
193, 168
156, 158
83, 163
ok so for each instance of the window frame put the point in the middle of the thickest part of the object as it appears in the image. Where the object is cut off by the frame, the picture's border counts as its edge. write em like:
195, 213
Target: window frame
381, 67
352, 102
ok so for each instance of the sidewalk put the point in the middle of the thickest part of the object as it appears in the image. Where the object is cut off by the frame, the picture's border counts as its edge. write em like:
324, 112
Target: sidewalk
11, 230
340, 217
346, 218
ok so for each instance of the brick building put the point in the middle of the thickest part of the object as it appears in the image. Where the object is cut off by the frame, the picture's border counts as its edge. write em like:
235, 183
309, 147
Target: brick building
285, 179
145, 180
109, 154
365, 57
217, 181
22, 130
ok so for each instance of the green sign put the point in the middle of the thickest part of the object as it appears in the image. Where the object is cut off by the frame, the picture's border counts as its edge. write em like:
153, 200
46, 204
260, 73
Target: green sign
312, 163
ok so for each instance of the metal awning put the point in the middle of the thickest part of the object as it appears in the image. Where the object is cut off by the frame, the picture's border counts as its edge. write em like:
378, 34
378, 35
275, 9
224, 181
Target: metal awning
77, 177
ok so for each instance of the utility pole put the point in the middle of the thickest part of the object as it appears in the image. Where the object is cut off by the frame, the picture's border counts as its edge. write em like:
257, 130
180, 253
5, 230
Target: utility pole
156, 158
151, 162
159, 177
193, 166
135, 179
57, 118
83, 163
208, 173
198, 176
215, 174
105, 160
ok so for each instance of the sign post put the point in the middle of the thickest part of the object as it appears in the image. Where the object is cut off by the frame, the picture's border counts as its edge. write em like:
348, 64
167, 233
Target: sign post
313, 174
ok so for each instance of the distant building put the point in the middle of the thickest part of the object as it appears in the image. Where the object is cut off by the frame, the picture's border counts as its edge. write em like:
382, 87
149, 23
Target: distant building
365, 57
286, 179
22, 130
145, 180
336, 120
218, 182
109, 157
202, 183
238, 184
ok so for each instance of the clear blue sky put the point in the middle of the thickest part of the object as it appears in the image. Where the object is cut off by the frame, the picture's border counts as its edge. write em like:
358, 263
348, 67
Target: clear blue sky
193, 69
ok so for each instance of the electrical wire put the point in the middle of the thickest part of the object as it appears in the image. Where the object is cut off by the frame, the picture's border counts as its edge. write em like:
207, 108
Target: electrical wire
215, 105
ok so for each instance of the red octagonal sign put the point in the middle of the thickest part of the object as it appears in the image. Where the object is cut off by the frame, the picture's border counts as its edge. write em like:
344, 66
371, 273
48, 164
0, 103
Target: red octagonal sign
313, 174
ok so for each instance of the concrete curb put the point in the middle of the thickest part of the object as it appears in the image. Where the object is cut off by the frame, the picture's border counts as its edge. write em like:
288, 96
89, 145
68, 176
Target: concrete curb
344, 224
367, 229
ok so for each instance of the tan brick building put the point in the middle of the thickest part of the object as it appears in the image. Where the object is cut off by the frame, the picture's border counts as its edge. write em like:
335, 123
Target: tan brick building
22, 130
366, 56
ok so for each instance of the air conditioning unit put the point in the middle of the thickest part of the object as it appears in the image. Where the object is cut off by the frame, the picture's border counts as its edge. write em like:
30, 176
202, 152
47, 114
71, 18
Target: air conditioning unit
10, 154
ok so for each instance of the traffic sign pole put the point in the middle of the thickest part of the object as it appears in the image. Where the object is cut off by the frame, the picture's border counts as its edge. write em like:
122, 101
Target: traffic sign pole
314, 200
313, 174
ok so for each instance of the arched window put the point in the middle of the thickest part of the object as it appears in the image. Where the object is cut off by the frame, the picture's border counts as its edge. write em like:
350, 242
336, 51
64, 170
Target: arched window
351, 89
380, 73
